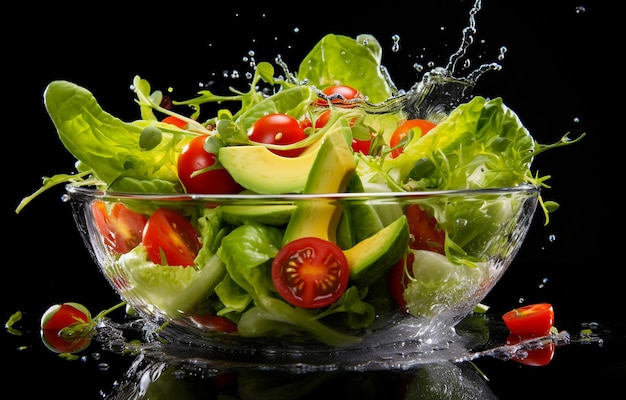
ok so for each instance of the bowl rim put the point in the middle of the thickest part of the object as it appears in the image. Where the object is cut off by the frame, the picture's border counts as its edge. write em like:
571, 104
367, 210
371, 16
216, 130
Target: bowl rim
90, 192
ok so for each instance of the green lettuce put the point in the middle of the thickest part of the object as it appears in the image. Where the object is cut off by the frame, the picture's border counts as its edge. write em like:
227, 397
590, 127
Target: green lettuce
481, 144
338, 59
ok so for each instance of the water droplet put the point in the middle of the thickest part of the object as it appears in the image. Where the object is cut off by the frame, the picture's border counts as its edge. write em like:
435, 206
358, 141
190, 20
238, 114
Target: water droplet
502, 53
396, 43
551, 238
576, 120
296, 29
104, 366
580, 9
65, 198
520, 300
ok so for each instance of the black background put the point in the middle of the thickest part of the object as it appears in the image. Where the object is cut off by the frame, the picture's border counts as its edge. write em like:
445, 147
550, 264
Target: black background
556, 75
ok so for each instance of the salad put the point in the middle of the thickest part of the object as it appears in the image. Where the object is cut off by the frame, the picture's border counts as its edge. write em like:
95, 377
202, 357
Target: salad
294, 267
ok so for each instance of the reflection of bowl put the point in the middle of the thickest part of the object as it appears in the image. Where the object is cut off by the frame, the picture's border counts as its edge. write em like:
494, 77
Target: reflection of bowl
482, 231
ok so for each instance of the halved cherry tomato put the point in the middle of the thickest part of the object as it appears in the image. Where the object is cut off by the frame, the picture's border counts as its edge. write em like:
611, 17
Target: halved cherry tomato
533, 357
199, 171
170, 119
399, 277
310, 272
530, 321
170, 239
281, 129
402, 132
121, 229
345, 91
215, 323
61, 316
425, 233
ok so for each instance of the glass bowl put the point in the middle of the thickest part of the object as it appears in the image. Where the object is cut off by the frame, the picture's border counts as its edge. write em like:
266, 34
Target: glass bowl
227, 300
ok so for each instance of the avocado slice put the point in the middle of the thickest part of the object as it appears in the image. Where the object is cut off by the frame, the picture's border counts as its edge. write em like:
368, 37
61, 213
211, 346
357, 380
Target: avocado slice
330, 173
371, 258
257, 169
270, 214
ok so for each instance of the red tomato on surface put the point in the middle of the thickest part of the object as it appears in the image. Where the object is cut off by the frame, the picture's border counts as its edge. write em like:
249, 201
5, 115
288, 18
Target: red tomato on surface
170, 235
530, 321
194, 158
402, 132
398, 278
170, 119
425, 234
121, 229
347, 92
61, 316
532, 357
280, 129
310, 272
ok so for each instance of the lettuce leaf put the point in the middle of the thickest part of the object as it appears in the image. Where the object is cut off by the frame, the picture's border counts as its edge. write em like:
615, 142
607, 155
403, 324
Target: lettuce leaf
128, 157
481, 144
345, 60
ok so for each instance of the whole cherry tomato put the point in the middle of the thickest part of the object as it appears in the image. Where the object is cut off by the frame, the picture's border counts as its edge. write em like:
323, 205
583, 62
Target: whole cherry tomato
199, 171
215, 323
170, 119
402, 132
67, 315
279, 129
358, 145
345, 91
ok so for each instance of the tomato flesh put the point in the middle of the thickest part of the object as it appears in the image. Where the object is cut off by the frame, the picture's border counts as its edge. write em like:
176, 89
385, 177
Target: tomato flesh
279, 129
121, 229
402, 132
199, 171
310, 272
170, 239
530, 321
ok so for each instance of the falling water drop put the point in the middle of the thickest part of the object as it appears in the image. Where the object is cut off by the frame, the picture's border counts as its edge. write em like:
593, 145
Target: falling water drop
396, 43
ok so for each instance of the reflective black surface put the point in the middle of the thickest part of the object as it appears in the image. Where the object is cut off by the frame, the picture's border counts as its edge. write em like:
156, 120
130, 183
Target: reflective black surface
554, 75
